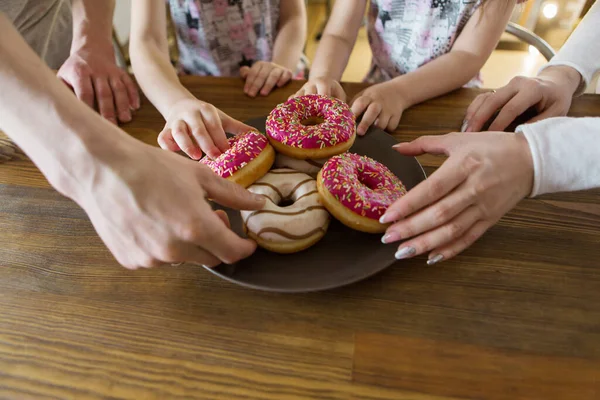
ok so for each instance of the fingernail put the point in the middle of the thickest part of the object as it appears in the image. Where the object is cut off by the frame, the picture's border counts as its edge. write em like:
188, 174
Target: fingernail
125, 117
390, 238
405, 252
388, 217
464, 126
396, 146
258, 197
436, 259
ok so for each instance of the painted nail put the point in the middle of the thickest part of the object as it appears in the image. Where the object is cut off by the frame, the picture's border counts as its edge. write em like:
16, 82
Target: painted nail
389, 238
396, 146
464, 126
405, 252
176, 264
435, 259
388, 217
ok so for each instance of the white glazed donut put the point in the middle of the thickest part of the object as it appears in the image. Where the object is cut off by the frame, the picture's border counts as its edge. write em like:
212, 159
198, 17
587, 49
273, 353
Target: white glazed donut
310, 167
285, 228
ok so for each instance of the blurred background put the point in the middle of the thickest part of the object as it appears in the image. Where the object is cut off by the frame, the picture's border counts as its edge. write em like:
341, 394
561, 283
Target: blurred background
552, 21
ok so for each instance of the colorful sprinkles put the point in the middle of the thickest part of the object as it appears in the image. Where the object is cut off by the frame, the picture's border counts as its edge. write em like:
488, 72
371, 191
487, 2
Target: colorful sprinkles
361, 184
243, 148
284, 124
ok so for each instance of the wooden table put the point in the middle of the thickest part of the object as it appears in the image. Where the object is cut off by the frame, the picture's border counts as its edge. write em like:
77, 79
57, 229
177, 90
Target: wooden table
517, 316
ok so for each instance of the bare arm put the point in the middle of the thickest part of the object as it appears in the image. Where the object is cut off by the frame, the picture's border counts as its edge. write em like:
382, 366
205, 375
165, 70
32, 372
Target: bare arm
291, 34
124, 186
469, 53
149, 53
338, 39
92, 24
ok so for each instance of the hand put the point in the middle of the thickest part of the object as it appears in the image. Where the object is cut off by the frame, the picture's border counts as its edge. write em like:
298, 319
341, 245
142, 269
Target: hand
194, 126
551, 94
485, 176
263, 77
95, 78
324, 86
150, 209
380, 105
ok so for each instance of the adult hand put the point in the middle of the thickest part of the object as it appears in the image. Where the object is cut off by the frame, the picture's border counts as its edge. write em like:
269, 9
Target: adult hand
97, 81
380, 105
149, 207
324, 86
485, 176
550, 93
263, 76
194, 126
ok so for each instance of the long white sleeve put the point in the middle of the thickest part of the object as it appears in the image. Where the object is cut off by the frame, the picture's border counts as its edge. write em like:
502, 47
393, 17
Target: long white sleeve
582, 50
566, 154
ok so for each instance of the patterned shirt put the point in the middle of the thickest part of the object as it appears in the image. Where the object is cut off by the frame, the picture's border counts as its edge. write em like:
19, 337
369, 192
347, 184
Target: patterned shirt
217, 37
407, 34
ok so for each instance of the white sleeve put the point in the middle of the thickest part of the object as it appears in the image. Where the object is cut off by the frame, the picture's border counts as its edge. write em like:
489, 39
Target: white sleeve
565, 152
582, 50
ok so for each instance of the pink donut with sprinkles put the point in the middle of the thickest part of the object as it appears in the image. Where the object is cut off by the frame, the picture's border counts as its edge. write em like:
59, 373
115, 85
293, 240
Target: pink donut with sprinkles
357, 190
311, 127
249, 158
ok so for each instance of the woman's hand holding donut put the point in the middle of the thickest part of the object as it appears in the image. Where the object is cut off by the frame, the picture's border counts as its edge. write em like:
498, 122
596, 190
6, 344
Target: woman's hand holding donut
551, 93
380, 105
324, 86
194, 126
263, 76
485, 176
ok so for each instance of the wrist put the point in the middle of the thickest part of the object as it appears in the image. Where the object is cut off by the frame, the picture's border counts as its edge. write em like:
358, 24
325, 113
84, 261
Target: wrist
565, 76
92, 44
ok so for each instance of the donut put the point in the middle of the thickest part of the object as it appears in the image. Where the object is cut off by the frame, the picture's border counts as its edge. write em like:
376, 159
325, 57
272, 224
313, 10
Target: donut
357, 191
250, 156
309, 167
293, 218
311, 127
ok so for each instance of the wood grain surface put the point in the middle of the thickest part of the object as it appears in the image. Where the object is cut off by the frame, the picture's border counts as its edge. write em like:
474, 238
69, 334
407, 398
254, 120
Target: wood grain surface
517, 316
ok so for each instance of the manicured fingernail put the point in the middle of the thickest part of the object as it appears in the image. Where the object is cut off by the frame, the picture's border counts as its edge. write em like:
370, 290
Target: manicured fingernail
436, 259
405, 252
388, 217
176, 264
390, 238
464, 126
258, 197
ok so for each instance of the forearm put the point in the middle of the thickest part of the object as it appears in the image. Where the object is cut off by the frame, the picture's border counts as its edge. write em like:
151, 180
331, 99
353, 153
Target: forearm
92, 24
290, 42
58, 132
155, 74
442, 75
565, 154
331, 57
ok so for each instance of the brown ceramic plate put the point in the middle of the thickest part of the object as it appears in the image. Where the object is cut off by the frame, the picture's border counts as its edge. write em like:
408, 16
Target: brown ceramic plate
343, 256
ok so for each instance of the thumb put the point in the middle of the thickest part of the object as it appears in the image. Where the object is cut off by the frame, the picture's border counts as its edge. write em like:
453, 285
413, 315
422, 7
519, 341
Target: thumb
234, 126
229, 194
426, 144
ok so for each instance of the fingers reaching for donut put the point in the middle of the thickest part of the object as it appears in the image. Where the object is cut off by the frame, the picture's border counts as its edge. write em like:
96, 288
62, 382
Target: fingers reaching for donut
380, 105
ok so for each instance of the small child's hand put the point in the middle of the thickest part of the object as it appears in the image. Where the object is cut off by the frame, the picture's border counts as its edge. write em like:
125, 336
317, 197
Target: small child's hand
263, 77
381, 105
324, 86
194, 126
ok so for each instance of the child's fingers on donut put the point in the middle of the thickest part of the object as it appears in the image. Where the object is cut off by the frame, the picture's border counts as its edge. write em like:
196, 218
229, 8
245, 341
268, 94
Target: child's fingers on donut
198, 132
285, 78
271, 81
369, 116
166, 141
323, 88
182, 137
215, 130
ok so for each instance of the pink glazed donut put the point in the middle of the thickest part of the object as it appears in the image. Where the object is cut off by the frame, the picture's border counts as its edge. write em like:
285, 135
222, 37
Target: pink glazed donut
311, 127
249, 158
357, 190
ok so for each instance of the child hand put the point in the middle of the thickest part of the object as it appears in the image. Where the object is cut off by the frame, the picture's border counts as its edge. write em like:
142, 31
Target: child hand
264, 76
382, 106
324, 86
194, 126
